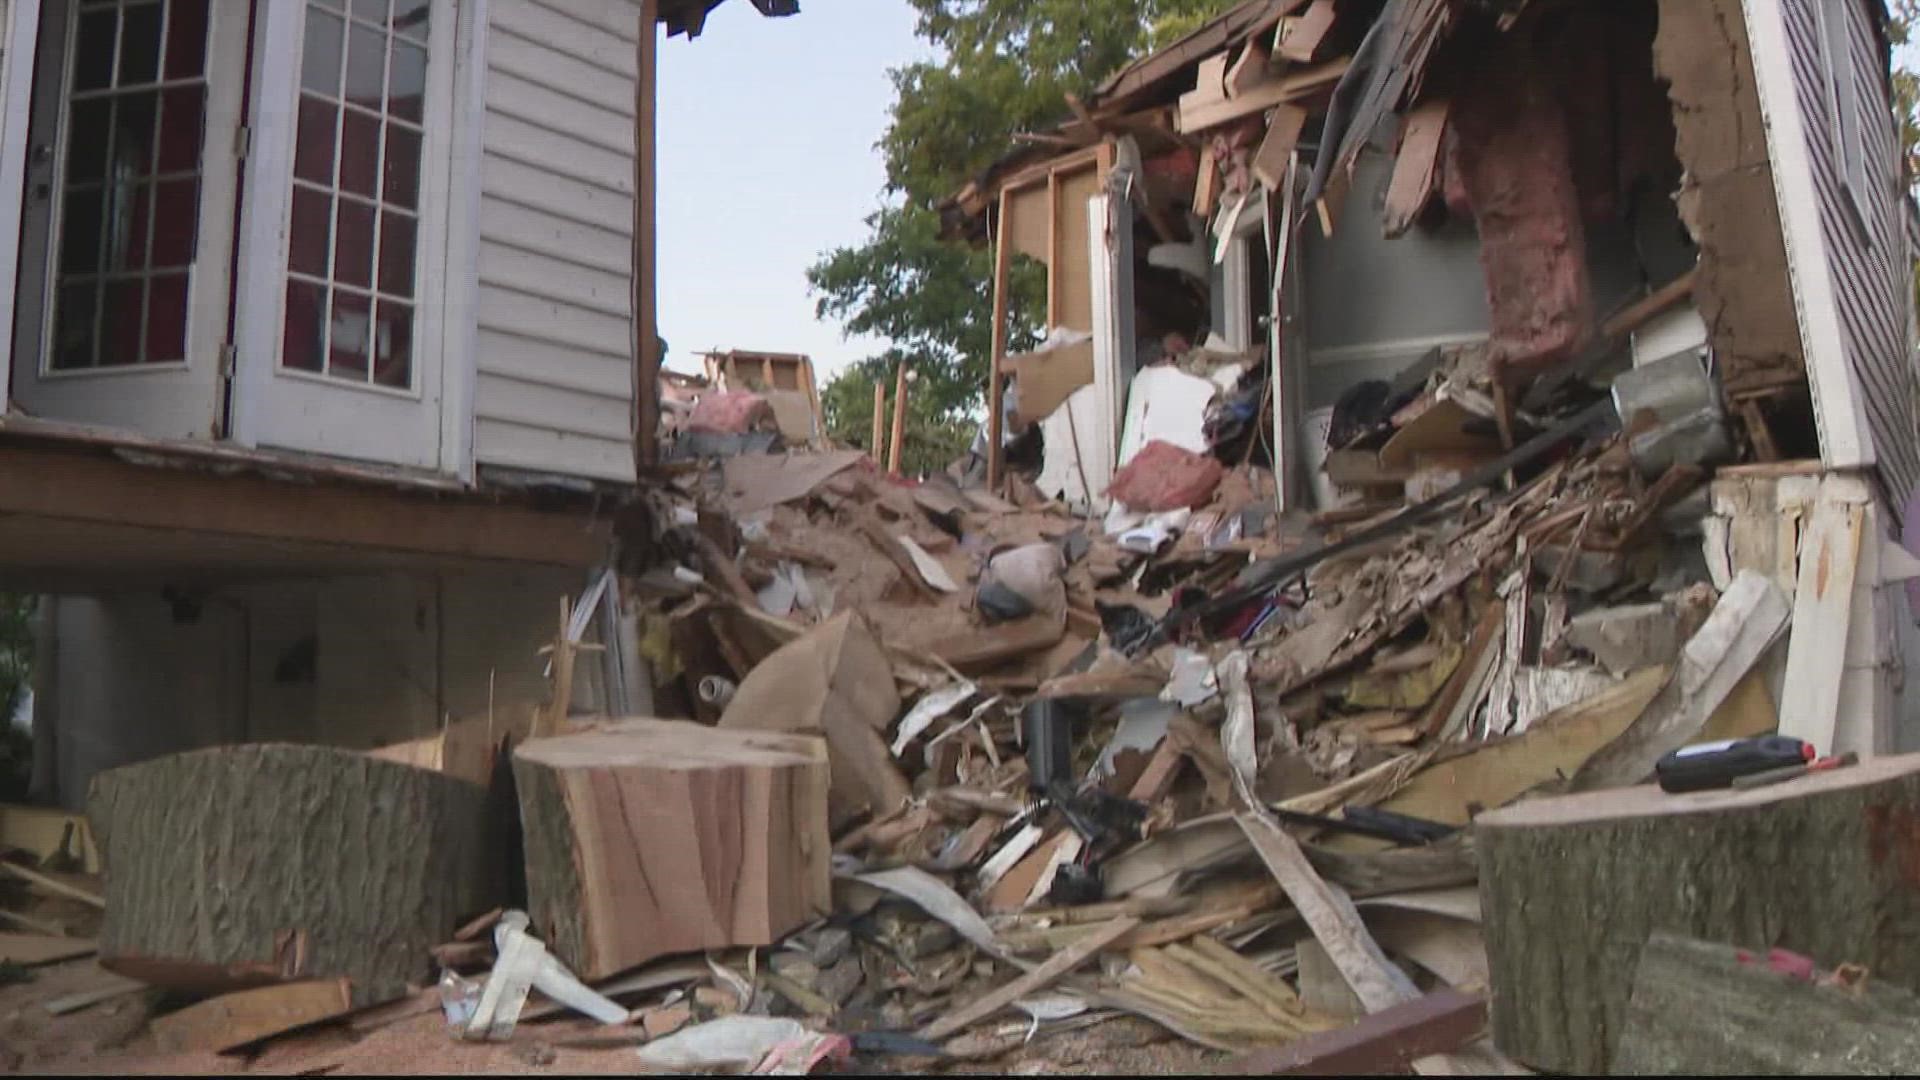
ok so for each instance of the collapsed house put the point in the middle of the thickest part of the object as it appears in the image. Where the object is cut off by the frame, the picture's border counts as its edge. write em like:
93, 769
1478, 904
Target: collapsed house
1463, 215
1449, 414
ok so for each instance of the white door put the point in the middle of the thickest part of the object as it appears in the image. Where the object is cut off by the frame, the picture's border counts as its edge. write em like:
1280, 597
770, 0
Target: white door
126, 247
344, 230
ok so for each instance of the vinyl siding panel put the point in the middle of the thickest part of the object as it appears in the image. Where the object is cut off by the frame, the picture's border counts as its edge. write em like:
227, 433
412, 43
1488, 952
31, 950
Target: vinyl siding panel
1863, 230
554, 390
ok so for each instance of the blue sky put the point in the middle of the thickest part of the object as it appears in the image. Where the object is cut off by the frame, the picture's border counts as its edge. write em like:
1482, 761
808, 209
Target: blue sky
766, 159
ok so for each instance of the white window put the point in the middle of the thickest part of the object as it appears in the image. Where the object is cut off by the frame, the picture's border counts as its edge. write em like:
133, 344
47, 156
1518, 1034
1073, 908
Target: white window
354, 230
1844, 119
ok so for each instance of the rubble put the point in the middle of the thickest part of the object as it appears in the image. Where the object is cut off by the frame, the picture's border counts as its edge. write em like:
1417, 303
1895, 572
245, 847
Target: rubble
1133, 737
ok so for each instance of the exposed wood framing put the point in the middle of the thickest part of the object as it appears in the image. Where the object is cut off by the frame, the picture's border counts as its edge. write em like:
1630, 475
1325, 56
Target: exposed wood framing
899, 419
996, 377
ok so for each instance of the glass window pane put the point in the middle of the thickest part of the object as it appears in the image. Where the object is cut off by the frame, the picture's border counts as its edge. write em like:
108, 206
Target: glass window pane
410, 17
351, 326
75, 315
122, 319
87, 139
402, 168
186, 39
396, 254
393, 345
129, 210
93, 49
134, 118
176, 222
366, 65
371, 10
312, 222
181, 113
140, 45
407, 93
166, 319
82, 217
359, 153
353, 245
320, 54
313, 145
303, 341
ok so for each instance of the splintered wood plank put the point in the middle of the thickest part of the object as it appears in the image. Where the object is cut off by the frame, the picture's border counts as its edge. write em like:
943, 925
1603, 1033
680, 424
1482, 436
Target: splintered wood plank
1331, 916
1198, 116
30, 949
1416, 171
1283, 134
234, 1020
1304, 35
1822, 610
1057, 966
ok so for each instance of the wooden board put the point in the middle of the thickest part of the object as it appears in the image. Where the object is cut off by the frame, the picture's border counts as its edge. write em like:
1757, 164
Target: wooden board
650, 837
1825, 865
1303, 36
1276, 147
238, 865
1332, 918
30, 949
1293, 87
1416, 170
1056, 966
234, 1020
1822, 610
1500, 771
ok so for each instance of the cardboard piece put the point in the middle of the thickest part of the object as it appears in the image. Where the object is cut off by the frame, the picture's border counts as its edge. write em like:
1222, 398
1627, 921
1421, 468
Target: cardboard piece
1047, 377
834, 679
757, 481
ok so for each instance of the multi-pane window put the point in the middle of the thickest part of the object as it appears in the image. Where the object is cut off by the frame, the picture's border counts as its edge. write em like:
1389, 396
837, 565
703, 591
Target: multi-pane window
356, 191
130, 185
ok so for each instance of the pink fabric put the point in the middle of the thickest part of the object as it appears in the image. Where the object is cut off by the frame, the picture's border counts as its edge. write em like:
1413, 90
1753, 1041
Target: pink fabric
1163, 476
733, 413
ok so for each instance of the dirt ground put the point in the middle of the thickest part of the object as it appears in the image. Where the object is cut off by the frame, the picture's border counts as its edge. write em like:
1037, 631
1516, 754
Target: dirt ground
111, 1038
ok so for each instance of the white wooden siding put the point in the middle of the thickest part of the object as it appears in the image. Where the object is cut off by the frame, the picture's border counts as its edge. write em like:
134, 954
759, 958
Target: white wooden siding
554, 387
1865, 247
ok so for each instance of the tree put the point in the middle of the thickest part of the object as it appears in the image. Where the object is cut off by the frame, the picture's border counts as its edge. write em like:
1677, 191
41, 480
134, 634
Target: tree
1005, 66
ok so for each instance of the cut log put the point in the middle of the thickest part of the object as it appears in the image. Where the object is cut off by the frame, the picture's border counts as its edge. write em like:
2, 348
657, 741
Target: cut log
1827, 865
241, 866
650, 837
1707, 1009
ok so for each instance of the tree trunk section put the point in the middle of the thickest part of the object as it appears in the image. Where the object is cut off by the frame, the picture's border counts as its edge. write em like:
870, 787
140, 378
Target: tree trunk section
1705, 1009
650, 837
243, 866
1571, 888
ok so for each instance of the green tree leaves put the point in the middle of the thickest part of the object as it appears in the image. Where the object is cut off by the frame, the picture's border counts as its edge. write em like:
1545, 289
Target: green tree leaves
1003, 66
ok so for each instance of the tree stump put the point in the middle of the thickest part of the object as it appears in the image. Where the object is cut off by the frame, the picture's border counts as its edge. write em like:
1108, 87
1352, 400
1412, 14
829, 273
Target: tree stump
650, 837
1704, 1009
1827, 865
243, 866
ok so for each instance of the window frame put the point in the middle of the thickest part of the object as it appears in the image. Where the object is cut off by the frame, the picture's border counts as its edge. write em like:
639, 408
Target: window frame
1844, 108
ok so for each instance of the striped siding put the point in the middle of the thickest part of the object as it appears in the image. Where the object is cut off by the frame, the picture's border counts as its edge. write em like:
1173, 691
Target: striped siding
555, 382
1866, 247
